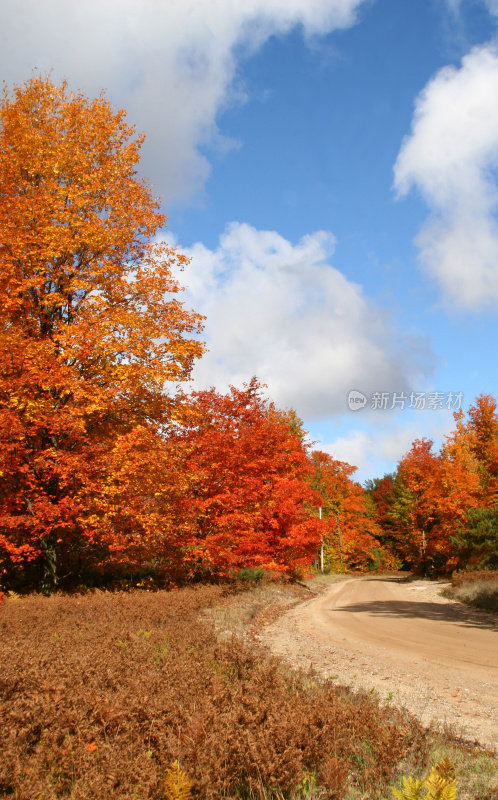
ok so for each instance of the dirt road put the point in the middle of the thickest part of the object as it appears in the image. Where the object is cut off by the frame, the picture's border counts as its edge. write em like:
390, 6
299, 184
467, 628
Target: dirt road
436, 657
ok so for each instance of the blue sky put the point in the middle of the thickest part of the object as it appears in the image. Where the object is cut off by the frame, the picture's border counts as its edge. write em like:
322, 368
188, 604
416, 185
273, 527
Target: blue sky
331, 168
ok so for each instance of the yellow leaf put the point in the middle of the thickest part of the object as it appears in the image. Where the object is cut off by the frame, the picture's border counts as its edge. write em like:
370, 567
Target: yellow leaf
177, 785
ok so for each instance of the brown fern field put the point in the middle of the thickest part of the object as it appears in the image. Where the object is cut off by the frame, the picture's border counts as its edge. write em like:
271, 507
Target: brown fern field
103, 695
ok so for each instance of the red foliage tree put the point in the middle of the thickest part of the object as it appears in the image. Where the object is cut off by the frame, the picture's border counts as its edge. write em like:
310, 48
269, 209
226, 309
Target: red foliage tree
417, 507
350, 532
250, 495
431, 495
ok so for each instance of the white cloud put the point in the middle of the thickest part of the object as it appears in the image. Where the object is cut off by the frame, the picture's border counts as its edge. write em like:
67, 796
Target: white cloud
282, 312
451, 157
367, 449
377, 451
492, 6
170, 63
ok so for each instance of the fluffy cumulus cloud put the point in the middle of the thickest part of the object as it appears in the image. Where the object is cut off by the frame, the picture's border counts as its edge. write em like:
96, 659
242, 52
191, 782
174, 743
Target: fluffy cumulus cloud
367, 449
492, 6
451, 157
456, 5
378, 450
282, 312
170, 63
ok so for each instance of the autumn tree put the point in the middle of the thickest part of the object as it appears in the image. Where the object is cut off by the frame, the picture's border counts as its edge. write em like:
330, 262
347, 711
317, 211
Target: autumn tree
349, 530
438, 511
417, 506
91, 331
477, 436
470, 460
438, 493
250, 496
382, 494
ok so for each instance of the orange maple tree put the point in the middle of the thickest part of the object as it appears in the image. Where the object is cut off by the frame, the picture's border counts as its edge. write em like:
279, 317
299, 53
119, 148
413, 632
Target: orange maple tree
432, 493
250, 495
349, 530
417, 505
91, 330
479, 436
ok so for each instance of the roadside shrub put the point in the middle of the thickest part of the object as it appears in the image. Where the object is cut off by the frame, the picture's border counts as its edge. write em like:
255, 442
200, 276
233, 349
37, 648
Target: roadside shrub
480, 594
249, 575
478, 589
471, 576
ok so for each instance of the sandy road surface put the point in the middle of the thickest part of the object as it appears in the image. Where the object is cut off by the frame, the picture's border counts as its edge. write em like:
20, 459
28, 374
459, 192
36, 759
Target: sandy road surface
435, 656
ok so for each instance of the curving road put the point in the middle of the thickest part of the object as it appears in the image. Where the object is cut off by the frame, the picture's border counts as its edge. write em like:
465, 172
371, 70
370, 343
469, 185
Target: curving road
433, 655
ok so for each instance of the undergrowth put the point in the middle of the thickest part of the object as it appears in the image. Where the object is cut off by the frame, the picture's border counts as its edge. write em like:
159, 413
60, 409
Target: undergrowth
135, 697
440, 784
478, 589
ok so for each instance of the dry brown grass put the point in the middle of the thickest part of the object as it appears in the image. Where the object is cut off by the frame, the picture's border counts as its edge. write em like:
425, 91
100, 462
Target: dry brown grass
245, 613
460, 578
478, 589
100, 694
